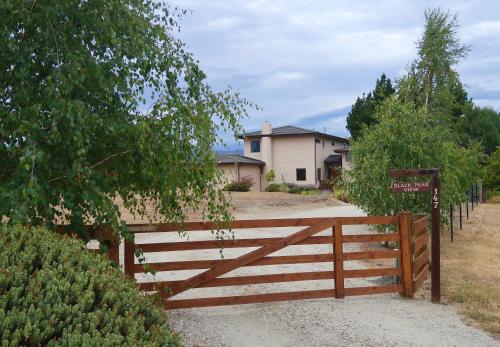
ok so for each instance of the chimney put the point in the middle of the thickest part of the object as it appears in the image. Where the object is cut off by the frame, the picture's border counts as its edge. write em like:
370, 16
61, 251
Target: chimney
267, 129
267, 146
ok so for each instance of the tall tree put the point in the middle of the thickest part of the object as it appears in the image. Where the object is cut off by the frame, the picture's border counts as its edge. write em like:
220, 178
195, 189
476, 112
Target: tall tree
363, 110
432, 81
100, 101
415, 130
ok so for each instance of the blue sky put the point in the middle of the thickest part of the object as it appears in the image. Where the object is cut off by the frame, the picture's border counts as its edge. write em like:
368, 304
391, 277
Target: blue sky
305, 62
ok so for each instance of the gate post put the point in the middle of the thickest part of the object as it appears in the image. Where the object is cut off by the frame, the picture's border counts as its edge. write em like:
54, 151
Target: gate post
406, 253
129, 256
338, 253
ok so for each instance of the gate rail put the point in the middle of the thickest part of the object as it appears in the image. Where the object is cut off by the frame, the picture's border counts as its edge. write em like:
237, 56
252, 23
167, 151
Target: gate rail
261, 257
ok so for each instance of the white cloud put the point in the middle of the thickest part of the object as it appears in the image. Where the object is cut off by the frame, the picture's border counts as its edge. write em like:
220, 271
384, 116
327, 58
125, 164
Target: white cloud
297, 58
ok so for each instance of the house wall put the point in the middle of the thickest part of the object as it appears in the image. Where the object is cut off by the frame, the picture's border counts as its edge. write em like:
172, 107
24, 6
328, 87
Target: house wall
247, 152
254, 172
346, 164
292, 152
230, 173
322, 152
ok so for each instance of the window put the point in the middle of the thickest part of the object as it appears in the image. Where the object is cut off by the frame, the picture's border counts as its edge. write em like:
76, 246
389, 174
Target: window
348, 157
333, 143
317, 140
319, 174
255, 146
301, 174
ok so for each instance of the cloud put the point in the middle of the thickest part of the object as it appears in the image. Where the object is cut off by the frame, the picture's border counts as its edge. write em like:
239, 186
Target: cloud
302, 61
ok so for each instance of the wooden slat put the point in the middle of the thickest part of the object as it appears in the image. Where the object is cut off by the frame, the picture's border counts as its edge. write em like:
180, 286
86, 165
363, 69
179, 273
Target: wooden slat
129, 257
372, 290
359, 273
248, 258
421, 277
217, 244
206, 264
284, 277
420, 261
261, 223
418, 226
244, 280
406, 255
237, 224
420, 244
396, 253
249, 299
371, 238
368, 220
339, 260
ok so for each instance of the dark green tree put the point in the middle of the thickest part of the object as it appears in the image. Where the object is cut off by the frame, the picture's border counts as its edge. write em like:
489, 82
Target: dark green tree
481, 124
363, 111
100, 102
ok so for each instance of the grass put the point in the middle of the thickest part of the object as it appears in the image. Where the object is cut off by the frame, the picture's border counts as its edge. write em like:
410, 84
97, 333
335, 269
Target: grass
471, 268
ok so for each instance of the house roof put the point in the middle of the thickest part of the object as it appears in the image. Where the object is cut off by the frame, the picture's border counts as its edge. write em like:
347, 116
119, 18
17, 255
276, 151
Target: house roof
292, 130
237, 158
342, 150
334, 159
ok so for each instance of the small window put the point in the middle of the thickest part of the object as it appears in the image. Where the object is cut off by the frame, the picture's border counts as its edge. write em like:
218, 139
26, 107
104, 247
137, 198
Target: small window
255, 146
319, 174
317, 140
301, 174
348, 157
333, 143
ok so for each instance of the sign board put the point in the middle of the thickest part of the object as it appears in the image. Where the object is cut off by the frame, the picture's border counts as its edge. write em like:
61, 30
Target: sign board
411, 187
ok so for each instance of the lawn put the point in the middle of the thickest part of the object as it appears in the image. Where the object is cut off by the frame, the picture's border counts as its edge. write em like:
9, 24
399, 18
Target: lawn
471, 267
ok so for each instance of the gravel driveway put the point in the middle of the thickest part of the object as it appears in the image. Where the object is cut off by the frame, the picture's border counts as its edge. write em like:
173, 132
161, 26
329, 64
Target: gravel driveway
374, 320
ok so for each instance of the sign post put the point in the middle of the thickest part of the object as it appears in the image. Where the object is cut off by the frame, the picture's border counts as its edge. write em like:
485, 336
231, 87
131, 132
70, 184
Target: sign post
435, 217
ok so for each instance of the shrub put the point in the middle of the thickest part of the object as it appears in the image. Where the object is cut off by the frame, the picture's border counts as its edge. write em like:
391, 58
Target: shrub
342, 195
273, 187
54, 292
296, 189
270, 176
242, 185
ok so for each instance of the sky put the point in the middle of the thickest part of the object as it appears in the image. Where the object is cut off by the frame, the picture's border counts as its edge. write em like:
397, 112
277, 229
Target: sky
305, 62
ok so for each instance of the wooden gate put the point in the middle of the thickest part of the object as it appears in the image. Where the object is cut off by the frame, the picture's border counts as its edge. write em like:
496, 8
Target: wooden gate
262, 256
419, 236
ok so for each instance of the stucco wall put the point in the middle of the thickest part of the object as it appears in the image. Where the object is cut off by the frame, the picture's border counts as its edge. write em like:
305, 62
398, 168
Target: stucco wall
291, 153
230, 173
346, 164
247, 150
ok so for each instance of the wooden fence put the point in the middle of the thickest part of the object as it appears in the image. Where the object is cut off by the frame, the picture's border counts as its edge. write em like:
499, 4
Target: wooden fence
412, 267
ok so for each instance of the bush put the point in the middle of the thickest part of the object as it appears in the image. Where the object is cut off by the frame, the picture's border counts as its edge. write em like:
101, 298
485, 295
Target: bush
54, 292
296, 189
242, 185
273, 187
342, 195
270, 176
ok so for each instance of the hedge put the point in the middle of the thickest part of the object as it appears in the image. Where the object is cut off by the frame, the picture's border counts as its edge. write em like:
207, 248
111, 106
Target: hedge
55, 292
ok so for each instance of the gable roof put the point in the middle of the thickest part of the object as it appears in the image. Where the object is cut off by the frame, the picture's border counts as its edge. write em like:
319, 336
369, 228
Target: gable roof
291, 131
237, 158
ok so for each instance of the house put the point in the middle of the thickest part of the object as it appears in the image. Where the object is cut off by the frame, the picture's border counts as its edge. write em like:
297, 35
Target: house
297, 155
235, 166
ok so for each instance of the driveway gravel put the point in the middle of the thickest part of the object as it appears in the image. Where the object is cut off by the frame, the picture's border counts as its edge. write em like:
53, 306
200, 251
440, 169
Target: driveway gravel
375, 320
